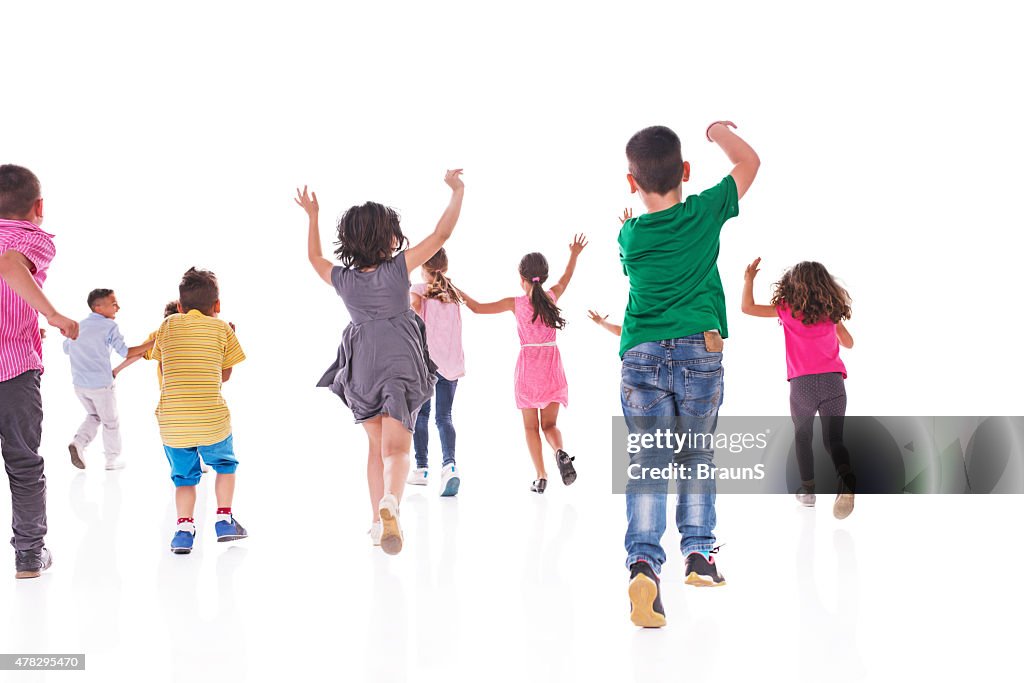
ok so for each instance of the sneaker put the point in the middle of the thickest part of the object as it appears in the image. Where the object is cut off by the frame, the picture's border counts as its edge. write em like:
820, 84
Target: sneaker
450, 480
391, 531
29, 564
539, 485
565, 467
116, 464
843, 506
805, 496
702, 571
645, 596
229, 530
417, 476
181, 544
76, 456
376, 529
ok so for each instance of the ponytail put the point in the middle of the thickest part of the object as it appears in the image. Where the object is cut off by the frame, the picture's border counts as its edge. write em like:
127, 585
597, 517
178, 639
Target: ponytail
440, 288
534, 269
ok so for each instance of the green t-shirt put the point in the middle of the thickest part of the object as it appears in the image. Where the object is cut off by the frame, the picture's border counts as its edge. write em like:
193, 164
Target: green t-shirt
671, 258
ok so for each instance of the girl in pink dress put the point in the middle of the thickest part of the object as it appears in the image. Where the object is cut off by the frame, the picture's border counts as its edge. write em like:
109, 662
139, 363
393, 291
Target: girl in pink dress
540, 380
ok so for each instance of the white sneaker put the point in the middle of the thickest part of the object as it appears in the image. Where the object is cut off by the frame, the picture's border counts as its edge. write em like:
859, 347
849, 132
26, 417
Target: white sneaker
417, 476
116, 464
375, 531
450, 480
391, 532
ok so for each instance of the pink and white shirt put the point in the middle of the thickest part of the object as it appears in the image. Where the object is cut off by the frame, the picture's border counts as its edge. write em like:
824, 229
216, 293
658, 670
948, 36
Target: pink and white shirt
21, 347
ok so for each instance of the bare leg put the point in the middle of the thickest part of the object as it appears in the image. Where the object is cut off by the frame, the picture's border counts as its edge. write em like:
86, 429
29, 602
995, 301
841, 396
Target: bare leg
225, 489
185, 501
531, 425
374, 465
548, 420
395, 443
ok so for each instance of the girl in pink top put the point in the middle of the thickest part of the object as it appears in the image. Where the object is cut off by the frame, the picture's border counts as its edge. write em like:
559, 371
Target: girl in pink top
811, 307
540, 380
437, 302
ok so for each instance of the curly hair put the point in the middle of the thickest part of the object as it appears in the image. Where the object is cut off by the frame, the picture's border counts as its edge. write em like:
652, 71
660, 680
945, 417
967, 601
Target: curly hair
369, 235
440, 288
812, 294
534, 269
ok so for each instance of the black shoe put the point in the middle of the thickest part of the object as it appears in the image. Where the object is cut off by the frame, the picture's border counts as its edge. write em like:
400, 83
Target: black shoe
645, 596
31, 563
539, 485
702, 571
843, 506
565, 467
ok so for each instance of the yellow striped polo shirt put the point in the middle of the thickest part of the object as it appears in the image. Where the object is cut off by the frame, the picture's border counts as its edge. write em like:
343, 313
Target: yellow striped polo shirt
193, 349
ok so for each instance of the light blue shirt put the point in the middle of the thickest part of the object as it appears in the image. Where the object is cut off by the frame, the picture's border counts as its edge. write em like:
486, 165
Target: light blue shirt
90, 353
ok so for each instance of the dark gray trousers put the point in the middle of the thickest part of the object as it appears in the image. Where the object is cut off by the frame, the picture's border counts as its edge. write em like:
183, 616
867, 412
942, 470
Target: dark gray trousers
21, 426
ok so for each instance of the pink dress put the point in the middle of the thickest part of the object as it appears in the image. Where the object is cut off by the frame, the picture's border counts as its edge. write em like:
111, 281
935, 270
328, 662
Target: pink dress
540, 379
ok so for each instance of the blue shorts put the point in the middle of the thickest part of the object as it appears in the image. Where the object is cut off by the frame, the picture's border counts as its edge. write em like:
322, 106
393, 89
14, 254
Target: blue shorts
185, 461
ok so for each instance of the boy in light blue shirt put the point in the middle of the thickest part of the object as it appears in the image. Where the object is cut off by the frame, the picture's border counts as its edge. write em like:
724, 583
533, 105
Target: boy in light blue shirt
94, 379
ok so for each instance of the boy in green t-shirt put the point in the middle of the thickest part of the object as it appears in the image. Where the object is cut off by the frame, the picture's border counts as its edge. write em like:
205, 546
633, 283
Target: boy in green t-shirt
671, 350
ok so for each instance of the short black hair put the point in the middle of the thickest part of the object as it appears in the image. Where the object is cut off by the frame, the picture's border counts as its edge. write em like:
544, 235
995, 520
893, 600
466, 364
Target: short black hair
170, 308
198, 290
369, 235
97, 294
655, 158
19, 190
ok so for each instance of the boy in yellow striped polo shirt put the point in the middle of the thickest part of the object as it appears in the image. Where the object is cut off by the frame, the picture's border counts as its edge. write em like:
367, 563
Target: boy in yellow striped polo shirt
196, 352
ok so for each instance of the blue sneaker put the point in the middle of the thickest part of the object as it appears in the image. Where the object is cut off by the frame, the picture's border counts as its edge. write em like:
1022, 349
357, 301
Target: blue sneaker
230, 530
450, 480
181, 544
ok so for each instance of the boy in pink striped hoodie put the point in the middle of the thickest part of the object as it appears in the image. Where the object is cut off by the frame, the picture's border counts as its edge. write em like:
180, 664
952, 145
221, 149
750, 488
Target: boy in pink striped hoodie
25, 255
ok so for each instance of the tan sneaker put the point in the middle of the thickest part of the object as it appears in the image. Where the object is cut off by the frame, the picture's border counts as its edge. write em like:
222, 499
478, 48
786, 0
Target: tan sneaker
391, 531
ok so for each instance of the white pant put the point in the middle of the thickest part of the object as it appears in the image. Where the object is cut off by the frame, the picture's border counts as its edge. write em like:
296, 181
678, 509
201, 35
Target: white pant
101, 408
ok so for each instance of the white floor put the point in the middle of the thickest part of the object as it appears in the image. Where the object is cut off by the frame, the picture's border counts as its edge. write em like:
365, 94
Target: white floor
498, 583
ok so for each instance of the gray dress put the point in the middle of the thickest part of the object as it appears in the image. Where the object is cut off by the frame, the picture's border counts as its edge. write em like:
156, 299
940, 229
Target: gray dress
383, 367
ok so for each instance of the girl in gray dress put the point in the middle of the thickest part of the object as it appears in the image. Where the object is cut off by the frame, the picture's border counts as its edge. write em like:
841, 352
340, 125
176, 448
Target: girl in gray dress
383, 372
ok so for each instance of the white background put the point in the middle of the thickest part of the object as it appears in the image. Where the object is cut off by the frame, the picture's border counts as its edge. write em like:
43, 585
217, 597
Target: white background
171, 136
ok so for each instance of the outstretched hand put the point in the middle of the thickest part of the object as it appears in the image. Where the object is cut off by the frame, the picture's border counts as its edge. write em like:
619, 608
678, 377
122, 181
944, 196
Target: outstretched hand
597, 317
626, 215
752, 270
707, 133
453, 179
309, 204
578, 243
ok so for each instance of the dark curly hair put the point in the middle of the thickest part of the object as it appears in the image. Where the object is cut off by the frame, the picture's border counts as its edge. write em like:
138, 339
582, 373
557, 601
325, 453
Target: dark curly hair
441, 288
812, 294
534, 269
369, 235
170, 308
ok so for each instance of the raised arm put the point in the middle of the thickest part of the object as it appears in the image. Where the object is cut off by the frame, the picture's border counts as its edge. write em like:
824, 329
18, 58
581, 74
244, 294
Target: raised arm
506, 304
314, 251
16, 271
743, 157
577, 245
418, 255
749, 307
845, 338
602, 320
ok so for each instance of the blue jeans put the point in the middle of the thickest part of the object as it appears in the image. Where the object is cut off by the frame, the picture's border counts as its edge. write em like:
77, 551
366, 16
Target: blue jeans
444, 390
677, 384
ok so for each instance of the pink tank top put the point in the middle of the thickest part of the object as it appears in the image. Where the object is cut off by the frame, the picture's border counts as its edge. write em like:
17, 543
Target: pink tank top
444, 334
810, 349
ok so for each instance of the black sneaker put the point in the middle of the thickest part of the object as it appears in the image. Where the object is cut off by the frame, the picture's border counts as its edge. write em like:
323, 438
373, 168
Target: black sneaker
645, 596
565, 467
702, 571
539, 485
843, 506
29, 564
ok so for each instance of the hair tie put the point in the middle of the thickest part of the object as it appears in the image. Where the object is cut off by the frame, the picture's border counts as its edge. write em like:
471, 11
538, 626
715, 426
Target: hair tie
536, 279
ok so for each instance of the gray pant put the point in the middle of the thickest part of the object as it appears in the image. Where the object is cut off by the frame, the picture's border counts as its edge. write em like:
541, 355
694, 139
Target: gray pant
21, 423
101, 409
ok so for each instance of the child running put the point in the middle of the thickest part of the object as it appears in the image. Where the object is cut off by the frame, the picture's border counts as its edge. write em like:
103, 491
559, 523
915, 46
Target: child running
93, 377
383, 372
540, 385
437, 302
811, 307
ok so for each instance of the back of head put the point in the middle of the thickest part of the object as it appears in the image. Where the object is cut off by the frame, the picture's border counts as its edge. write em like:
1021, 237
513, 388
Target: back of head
811, 293
368, 235
655, 159
440, 287
19, 190
534, 269
97, 295
198, 291
170, 308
